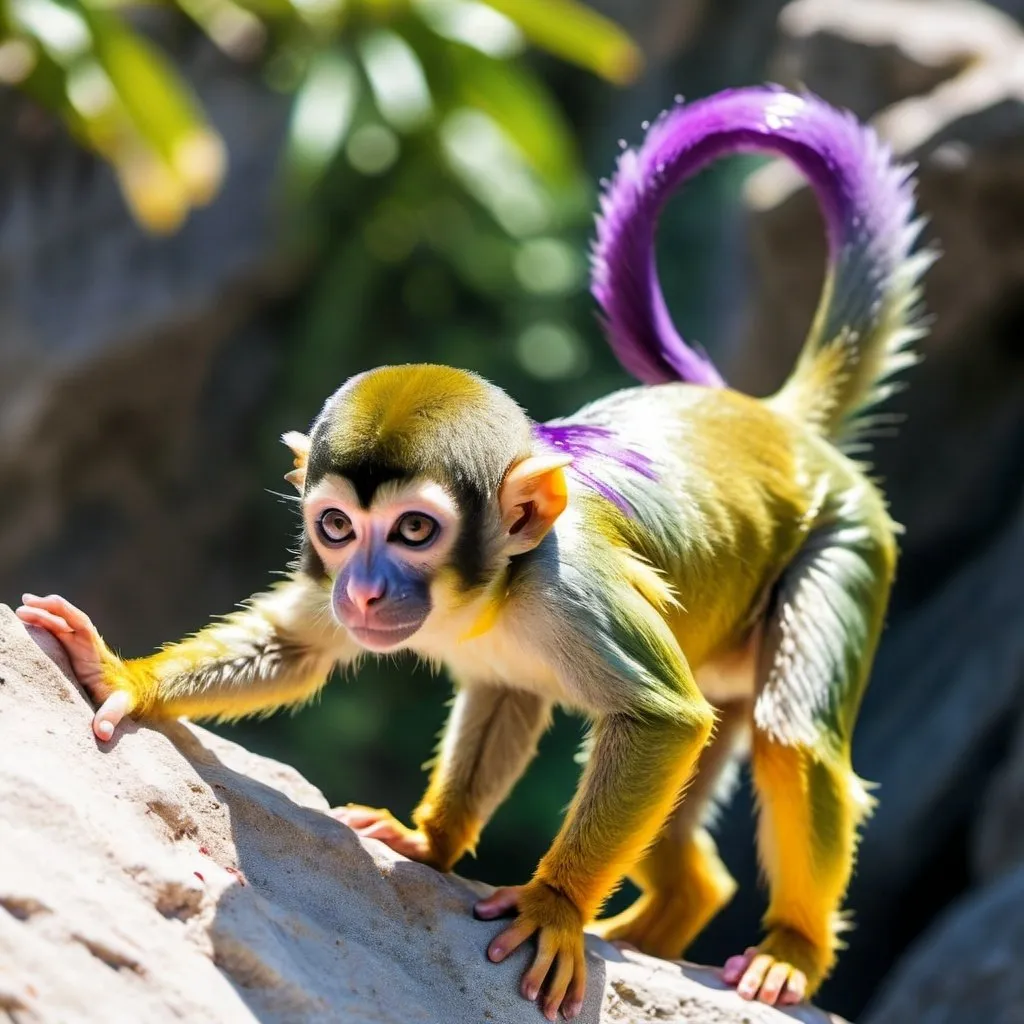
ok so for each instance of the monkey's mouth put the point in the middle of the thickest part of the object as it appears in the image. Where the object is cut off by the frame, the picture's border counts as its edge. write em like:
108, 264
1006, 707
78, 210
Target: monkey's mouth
383, 639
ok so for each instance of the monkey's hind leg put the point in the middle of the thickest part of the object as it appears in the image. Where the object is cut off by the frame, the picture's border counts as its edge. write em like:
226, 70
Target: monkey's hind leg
811, 804
683, 882
819, 641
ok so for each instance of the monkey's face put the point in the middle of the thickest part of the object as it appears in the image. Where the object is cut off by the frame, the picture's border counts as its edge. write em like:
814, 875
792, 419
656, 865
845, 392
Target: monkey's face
418, 484
382, 557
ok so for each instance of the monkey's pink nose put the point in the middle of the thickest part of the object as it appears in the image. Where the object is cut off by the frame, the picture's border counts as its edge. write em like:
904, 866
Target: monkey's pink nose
366, 591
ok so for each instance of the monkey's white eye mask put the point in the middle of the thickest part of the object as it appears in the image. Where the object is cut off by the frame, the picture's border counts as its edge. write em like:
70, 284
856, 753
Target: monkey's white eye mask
382, 557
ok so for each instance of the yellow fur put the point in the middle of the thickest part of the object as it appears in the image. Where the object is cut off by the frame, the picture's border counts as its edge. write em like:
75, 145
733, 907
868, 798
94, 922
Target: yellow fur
684, 887
810, 807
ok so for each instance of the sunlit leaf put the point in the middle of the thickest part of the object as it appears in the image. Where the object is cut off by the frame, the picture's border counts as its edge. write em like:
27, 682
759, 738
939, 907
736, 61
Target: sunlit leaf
576, 33
474, 24
521, 106
160, 104
322, 115
397, 79
153, 192
491, 170
62, 32
236, 30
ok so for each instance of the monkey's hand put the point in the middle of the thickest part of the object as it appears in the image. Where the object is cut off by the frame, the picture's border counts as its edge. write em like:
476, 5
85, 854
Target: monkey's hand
559, 928
381, 824
89, 655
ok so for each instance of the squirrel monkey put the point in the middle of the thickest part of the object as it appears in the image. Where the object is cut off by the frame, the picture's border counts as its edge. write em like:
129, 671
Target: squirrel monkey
693, 569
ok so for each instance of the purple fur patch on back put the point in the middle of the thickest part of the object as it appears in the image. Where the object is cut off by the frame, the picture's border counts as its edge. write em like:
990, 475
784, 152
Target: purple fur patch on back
865, 197
592, 448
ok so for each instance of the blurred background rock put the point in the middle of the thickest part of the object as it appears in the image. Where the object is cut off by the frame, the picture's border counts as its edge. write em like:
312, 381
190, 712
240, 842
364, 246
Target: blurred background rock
415, 181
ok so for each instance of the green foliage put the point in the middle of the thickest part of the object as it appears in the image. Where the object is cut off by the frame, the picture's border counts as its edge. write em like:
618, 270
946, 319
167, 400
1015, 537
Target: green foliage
370, 77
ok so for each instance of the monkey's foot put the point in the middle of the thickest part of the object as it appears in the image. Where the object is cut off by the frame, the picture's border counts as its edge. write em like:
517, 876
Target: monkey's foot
664, 923
558, 924
378, 823
655, 926
783, 970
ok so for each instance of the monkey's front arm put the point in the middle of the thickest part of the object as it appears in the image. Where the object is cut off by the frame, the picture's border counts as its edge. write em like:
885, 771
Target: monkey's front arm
278, 649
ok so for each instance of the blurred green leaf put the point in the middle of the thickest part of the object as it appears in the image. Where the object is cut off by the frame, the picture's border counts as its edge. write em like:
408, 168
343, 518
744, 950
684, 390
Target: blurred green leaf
322, 116
397, 79
576, 33
522, 107
160, 104
427, 62
234, 28
473, 24
490, 168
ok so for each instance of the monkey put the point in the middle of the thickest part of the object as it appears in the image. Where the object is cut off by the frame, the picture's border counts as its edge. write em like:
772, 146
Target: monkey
700, 573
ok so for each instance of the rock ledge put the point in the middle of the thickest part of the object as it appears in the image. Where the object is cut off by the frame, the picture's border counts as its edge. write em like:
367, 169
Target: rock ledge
176, 876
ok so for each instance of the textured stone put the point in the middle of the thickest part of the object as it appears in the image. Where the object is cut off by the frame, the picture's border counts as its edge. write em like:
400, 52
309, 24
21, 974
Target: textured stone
872, 53
998, 841
966, 968
178, 876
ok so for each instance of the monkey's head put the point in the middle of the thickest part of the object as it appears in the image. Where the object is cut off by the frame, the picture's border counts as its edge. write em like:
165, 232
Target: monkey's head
418, 484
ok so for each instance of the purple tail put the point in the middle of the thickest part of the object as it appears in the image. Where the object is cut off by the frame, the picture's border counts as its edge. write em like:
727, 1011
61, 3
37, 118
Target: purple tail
868, 207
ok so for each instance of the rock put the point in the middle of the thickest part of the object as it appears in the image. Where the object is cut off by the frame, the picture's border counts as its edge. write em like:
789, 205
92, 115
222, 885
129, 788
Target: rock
998, 840
177, 876
967, 396
868, 55
966, 968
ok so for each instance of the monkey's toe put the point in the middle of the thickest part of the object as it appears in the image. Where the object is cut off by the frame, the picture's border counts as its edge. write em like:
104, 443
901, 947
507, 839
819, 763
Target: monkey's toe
759, 976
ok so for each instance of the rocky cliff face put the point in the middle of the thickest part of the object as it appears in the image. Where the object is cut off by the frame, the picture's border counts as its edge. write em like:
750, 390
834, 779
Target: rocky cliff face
175, 876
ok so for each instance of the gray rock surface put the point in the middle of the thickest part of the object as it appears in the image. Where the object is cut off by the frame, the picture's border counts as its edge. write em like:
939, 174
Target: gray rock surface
868, 55
966, 969
998, 841
175, 876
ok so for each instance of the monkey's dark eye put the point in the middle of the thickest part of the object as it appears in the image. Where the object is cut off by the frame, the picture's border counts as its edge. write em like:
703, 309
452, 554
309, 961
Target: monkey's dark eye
415, 529
335, 527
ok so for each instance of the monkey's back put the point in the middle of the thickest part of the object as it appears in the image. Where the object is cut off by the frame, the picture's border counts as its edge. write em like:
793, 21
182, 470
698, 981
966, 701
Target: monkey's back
733, 491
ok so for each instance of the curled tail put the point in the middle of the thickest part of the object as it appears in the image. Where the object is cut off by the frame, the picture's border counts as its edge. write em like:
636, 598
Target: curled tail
867, 316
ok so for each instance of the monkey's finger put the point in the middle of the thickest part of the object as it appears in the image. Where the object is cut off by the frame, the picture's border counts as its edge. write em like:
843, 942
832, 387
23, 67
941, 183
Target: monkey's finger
754, 976
510, 940
736, 965
45, 620
774, 982
387, 831
533, 979
795, 990
109, 716
572, 1006
559, 985
73, 616
501, 901
401, 839
357, 816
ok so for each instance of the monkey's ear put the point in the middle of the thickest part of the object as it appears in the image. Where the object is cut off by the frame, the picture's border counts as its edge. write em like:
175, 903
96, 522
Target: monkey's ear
299, 444
532, 496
